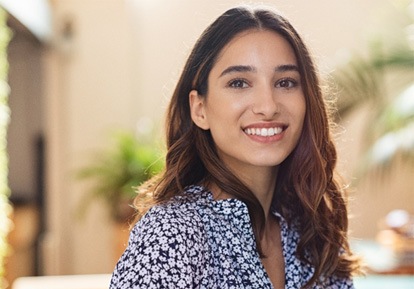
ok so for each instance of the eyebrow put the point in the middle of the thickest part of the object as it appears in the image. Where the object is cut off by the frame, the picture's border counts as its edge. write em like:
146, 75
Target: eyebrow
238, 68
286, 67
249, 68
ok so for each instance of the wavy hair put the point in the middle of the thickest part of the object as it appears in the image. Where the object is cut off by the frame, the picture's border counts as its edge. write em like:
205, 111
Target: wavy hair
307, 190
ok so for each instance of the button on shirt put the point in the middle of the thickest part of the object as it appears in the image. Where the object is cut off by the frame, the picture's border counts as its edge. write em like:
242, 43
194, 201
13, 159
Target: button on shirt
195, 241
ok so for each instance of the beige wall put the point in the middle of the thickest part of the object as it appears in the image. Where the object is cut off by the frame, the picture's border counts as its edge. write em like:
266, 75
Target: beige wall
89, 91
120, 65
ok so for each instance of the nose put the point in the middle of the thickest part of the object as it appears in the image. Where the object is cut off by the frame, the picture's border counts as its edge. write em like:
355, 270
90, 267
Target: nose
265, 102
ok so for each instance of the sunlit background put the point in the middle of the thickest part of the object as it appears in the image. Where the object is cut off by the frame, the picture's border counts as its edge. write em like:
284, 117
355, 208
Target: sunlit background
89, 83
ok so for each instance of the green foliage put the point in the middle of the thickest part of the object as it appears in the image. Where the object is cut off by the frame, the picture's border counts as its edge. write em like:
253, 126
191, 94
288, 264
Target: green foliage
117, 171
363, 79
383, 81
5, 208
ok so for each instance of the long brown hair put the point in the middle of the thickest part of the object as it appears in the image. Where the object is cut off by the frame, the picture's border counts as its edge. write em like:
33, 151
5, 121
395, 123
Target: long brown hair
306, 189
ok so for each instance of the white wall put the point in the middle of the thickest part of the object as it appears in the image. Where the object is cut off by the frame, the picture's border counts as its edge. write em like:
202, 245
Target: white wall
121, 64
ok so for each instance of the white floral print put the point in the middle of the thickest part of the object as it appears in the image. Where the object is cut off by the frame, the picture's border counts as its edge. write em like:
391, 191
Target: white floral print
195, 241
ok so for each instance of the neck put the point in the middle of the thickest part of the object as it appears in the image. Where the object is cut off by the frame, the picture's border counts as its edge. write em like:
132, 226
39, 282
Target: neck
262, 182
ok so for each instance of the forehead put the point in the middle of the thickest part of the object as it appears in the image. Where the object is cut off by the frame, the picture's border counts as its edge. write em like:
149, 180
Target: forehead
256, 47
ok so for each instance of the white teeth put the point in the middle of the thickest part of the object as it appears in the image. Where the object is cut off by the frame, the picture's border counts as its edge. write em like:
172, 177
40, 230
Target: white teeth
264, 131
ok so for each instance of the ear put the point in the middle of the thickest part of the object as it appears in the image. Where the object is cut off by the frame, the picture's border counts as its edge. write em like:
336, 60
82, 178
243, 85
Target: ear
197, 108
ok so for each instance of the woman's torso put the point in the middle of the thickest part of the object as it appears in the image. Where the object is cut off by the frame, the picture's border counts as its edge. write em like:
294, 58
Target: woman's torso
195, 241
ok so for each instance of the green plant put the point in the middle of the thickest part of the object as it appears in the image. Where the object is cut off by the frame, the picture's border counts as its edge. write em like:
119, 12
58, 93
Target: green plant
118, 170
5, 207
383, 81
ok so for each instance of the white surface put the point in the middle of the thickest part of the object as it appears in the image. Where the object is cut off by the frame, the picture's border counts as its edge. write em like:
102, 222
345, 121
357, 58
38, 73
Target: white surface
34, 14
98, 281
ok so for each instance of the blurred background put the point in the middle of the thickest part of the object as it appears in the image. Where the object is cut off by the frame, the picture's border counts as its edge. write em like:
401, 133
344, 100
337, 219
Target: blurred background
89, 81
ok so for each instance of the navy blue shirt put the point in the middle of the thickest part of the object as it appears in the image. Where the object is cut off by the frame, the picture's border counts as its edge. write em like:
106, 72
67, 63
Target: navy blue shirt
195, 241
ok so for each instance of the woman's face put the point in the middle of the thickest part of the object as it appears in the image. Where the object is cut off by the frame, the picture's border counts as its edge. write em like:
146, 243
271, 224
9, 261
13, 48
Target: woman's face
255, 106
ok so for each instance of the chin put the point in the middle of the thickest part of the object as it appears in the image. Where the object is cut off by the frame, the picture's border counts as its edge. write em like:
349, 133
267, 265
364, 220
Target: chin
267, 163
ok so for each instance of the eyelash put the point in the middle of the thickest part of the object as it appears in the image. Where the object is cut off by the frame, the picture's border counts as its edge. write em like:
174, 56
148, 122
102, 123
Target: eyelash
235, 83
240, 83
292, 83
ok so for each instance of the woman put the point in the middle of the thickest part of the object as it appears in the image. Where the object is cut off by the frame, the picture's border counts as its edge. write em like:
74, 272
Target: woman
248, 198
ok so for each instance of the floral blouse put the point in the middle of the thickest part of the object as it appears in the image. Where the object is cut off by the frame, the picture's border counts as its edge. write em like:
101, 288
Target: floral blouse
195, 241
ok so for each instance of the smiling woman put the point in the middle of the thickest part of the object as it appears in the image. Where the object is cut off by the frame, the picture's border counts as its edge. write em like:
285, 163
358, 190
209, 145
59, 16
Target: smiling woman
248, 198
254, 86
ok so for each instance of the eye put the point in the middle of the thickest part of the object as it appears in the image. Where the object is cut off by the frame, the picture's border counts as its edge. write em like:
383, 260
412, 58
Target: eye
238, 83
287, 83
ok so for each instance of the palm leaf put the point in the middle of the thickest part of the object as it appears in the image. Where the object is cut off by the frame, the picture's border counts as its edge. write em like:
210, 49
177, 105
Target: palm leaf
366, 81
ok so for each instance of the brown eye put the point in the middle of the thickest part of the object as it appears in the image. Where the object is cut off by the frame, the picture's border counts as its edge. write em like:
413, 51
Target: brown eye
238, 83
286, 83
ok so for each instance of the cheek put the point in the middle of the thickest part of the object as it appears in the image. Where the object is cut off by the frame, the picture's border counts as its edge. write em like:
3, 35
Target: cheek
224, 107
299, 115
301, 105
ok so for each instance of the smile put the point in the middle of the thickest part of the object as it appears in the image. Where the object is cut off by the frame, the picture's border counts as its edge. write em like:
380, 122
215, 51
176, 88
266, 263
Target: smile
264, 131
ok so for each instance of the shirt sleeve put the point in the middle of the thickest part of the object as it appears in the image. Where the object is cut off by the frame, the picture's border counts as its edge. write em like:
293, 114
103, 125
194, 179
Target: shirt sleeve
164, 251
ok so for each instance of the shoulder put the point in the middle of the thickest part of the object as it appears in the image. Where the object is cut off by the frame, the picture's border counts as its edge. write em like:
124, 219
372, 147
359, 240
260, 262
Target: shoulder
167, 248
178, 219
170, 219
183, 210
174, 224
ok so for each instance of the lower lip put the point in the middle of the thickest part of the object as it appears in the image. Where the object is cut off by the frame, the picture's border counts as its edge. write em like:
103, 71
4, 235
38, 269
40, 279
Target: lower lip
267, 139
